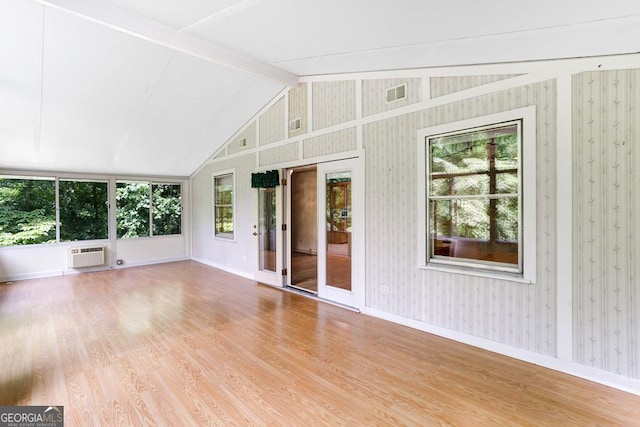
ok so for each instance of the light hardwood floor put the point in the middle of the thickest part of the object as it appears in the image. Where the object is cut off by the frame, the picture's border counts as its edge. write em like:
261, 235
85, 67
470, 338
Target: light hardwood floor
304, 271
184, 344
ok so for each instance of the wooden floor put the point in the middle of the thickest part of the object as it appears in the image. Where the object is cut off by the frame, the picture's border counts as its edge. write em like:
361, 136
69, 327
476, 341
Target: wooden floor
183, 344
304, 271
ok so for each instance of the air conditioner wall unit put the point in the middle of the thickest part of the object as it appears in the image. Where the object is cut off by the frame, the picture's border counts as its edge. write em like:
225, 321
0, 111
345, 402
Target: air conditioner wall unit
87, 256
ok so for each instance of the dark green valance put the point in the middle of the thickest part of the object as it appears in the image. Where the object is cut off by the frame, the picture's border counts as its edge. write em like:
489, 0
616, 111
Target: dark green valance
265, 180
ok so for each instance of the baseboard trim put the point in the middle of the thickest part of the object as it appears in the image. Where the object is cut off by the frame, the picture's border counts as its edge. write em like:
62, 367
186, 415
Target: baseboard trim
598, 376
223, 268
151, 262
71, 271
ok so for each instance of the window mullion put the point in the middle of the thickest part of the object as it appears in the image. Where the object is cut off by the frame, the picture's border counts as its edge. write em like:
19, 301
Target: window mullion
150, 209
491, 157
57, 185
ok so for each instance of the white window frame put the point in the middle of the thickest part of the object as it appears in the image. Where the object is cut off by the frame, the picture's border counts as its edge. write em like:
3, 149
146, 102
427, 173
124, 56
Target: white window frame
150, 184
527, 243
224, 236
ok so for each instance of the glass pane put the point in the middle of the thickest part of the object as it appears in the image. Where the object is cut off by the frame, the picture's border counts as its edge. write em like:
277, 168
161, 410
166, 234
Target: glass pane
224, 220
223, 205
475, 163
224, 190
338, 227
132, 209
83, 210
478, 229
167, 209
507, 220
267, 228
27, 211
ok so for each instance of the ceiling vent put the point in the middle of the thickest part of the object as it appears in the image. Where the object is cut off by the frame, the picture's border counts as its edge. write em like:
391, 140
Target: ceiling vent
295, 125
397, 93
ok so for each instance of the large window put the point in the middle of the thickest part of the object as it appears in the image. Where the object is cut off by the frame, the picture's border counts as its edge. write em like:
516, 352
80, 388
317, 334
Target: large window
132, 209
145, 209
223, 205
474, 195
84, 210
477, 203
167, 209
27, 211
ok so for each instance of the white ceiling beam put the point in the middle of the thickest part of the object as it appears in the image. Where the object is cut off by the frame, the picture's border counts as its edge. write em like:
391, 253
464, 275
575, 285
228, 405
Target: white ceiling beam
154, 32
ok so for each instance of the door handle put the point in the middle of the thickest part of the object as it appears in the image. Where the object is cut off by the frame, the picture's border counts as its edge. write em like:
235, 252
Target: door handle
255, 234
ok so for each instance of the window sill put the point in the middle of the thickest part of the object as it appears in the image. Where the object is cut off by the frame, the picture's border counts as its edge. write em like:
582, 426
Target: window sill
229, 239
497, 275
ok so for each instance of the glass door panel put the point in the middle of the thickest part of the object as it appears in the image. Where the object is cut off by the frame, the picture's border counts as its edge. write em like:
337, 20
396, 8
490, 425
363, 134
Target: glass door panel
267, 229
338, 228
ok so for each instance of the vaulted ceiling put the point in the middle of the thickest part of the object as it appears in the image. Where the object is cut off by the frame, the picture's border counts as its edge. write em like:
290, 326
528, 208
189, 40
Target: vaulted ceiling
154, 87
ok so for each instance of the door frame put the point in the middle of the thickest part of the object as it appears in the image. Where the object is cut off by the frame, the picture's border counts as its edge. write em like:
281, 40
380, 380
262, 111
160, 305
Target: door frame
355, 297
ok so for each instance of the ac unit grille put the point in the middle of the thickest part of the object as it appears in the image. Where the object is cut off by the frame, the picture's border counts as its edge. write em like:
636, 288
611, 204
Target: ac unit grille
87, 256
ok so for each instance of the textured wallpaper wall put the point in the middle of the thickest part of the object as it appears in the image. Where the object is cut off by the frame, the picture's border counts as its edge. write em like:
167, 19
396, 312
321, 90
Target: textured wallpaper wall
271, 124
250, 137
512, 313
333, 103
607, 221
331, 143
441, 86
374, 94
238, 255
298, 109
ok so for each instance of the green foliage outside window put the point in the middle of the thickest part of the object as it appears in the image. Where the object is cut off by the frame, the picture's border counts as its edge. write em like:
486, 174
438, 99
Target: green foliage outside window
167, 209
134, 207
460, 166
84, 210
27, 211
223, 204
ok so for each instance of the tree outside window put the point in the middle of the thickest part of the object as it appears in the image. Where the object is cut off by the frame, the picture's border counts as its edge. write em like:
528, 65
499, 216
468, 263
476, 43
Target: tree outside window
145, 209
474, 194
223, 205
27, 211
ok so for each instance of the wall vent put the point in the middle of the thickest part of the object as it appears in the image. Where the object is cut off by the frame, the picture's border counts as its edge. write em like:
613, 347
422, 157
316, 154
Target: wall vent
295, 125
87, 256
397, 93
243, 142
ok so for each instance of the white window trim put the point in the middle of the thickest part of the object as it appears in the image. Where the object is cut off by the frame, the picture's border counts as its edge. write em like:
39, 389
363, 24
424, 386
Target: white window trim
223, 237
528, 193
